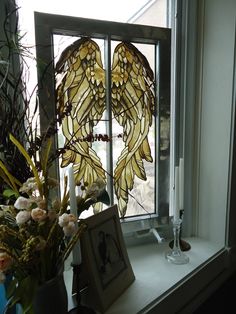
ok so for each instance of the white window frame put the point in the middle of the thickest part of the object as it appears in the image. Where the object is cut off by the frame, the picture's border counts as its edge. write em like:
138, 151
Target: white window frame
206, 102
46, 25
207, 99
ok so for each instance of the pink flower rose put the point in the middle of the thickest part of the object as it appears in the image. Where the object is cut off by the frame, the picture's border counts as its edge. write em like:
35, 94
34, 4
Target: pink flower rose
38, 214
64, 219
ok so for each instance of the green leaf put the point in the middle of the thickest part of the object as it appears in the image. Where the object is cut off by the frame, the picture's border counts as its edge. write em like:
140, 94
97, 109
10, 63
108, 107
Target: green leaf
29, 161
8, 193
12, 180
45, 157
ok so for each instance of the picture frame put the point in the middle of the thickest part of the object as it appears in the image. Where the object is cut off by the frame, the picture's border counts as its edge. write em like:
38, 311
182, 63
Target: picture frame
105, 260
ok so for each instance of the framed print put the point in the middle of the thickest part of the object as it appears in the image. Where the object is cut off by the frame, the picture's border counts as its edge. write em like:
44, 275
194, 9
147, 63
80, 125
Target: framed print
104, 258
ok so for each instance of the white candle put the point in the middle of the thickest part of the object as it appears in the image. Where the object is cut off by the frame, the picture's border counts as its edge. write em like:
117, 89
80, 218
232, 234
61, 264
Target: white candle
176, 202
76, 253
181, 183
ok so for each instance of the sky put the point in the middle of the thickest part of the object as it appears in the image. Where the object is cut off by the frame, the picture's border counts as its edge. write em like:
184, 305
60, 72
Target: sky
114, 10
111, 10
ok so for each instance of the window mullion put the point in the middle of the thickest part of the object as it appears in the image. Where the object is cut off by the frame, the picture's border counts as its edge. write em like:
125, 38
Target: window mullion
174, 89
107, 60
157, 127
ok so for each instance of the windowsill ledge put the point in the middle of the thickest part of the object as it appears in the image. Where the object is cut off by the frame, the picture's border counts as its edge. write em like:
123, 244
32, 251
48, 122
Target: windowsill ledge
155, 276
161, 284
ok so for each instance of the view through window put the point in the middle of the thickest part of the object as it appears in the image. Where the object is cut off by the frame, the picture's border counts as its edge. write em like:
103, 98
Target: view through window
143, 195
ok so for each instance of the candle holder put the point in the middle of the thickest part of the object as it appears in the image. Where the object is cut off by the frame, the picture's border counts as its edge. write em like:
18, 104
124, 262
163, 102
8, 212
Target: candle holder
184, 245
175, 255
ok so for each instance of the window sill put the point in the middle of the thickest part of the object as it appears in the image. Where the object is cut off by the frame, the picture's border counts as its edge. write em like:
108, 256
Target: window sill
157, 280
155, 276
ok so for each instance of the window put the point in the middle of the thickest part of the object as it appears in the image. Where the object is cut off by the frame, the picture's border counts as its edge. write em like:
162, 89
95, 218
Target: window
149, 42
208, 107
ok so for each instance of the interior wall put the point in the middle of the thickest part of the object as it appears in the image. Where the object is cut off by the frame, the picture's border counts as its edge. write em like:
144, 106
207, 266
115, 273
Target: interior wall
215, 103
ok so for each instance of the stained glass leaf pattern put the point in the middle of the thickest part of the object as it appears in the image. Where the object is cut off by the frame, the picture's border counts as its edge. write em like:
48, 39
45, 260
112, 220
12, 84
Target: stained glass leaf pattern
81, 103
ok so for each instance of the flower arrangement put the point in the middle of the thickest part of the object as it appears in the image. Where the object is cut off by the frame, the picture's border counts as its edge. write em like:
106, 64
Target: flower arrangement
38, 231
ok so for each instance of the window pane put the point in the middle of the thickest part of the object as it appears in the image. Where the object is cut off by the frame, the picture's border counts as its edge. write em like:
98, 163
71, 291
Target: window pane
141, 194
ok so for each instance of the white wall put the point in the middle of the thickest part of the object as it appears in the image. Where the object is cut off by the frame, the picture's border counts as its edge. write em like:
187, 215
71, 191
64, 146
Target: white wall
216, 109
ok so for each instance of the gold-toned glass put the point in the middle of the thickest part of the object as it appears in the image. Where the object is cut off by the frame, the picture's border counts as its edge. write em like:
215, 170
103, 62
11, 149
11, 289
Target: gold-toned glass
81, 106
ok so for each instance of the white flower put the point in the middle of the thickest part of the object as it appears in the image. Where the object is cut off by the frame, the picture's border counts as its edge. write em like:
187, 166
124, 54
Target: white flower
69, 229
22, 217
28, 186
38, 214
22, 203
72, 217
63, 220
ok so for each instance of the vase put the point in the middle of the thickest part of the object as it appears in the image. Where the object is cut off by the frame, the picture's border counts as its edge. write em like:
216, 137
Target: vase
51, 297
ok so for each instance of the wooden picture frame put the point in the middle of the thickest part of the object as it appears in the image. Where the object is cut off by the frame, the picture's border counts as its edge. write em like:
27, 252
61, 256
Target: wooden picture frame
105, 261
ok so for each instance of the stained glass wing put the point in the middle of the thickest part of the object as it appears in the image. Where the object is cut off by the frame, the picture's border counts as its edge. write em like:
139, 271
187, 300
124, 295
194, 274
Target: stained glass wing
133, 104
80, 104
